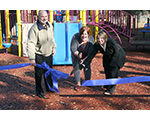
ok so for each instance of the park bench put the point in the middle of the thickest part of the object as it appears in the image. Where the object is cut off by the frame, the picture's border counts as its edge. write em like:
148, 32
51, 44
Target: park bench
140, 43
146, 26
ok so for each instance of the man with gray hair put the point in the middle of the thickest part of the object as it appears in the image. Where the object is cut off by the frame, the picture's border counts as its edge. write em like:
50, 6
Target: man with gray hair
41, 47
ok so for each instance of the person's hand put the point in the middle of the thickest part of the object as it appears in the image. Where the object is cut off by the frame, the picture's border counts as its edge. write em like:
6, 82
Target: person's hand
84, 42
82, 60
80, 55
33, 62
53, 52
81, 66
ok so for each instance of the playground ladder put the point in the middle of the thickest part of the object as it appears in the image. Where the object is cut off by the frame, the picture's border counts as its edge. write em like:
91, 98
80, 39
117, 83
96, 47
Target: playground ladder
113, 22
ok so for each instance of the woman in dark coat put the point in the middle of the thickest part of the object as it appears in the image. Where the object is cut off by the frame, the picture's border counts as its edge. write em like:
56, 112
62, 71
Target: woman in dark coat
113, 58
82, 43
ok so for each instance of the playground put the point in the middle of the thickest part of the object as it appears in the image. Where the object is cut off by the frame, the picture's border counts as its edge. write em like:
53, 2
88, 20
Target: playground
17, 86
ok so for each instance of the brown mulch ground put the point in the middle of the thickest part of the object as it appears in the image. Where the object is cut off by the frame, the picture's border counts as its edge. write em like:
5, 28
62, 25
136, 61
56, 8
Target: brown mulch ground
17, 87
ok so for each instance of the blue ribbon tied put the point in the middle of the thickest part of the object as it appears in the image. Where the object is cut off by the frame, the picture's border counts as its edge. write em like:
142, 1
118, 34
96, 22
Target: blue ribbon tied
54, 73
115, 81
57, 74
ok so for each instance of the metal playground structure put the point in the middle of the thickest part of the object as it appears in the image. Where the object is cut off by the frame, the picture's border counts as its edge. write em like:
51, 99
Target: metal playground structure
68, 22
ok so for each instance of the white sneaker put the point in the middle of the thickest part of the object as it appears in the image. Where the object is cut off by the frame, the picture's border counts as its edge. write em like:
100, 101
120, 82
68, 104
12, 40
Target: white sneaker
107, 93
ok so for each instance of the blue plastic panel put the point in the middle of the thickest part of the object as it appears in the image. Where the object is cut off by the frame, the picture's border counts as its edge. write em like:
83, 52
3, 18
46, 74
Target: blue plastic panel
60, 39
63, 34
72, 28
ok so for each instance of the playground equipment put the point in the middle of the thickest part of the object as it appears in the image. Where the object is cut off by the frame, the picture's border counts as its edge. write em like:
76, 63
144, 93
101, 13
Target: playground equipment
146, 26
6, 39
3, 44
113, 22
63, 33
7, 46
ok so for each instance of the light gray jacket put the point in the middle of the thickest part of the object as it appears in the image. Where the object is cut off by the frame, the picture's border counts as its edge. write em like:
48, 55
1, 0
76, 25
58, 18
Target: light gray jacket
40, 40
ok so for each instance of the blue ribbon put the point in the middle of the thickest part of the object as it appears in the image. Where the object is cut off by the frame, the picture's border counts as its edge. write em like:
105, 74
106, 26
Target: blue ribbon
115, 81
57, 74
14, 66
54, 73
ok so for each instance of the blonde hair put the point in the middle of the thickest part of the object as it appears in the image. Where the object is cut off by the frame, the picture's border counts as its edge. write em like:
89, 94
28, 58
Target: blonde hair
103, 35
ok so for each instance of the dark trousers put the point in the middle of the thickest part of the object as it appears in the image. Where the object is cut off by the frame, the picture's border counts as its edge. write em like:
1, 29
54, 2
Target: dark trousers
111, 72
39, 72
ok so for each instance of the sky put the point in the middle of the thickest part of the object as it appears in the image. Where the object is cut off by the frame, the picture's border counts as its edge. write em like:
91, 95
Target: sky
74, 5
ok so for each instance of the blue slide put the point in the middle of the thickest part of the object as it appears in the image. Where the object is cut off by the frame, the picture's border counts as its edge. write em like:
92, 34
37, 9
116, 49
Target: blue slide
63, 34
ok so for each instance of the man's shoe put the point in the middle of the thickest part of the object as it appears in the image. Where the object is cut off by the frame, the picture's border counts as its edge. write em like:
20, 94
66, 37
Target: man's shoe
41, 95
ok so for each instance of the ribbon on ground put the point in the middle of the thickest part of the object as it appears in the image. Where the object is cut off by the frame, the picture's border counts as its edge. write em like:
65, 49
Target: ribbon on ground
115, 81
54, 73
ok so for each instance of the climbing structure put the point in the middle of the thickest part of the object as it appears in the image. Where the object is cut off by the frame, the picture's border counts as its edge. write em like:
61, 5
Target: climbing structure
113, 22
